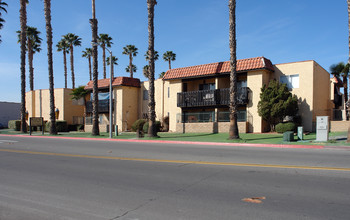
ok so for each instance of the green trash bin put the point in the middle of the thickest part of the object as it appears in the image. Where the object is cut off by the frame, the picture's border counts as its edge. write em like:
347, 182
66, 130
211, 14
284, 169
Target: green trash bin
288, 136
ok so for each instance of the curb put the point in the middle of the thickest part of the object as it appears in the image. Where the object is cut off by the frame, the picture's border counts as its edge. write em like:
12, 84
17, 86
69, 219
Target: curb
177, 142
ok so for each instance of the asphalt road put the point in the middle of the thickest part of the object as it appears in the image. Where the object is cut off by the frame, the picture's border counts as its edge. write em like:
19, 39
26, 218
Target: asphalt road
80, 179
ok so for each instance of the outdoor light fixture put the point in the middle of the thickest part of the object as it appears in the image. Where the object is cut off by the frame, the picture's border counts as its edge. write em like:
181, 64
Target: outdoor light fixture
57, 113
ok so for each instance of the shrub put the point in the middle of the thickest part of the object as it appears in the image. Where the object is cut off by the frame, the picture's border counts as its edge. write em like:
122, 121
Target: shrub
145, 127
283, 127
15, 125
80, 127
138, 124
61, 126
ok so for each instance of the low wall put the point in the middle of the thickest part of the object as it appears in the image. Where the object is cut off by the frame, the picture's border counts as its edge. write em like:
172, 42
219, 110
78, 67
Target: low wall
103, 128
336, 126
209, 127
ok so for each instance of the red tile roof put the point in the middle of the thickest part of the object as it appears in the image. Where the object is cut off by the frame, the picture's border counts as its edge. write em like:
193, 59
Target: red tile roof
217, 68
117, 81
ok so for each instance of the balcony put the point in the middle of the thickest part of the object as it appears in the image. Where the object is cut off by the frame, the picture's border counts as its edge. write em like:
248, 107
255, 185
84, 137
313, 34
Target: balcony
103, 106
205, 98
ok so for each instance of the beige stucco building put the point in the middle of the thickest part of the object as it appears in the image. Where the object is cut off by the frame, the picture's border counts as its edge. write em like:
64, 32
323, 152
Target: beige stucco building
38, 105
196, 98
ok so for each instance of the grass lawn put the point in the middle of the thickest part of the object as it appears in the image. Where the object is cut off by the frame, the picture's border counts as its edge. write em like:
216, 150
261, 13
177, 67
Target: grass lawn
337, 138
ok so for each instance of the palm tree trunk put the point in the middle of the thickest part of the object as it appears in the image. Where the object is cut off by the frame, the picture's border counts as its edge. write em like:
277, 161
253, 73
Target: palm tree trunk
104, 61
90, 68
47, 7
348, 1
93, 22
72, 65
65, 67
152, 132
30, 61
233, 132
169, 64
130, 66
23, 20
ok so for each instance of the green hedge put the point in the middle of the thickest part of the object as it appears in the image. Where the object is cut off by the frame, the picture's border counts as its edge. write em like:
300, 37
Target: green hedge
138, 124
283, 127
61, 126
145, 127
15, 125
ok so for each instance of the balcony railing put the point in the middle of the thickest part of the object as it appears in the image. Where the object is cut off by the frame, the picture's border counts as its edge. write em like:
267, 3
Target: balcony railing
211, 97
103, 106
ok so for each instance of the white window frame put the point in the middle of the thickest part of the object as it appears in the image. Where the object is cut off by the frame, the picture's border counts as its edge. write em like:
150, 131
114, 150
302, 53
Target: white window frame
292, 81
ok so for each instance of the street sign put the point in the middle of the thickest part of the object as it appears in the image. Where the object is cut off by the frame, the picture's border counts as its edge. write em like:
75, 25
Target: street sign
36, 122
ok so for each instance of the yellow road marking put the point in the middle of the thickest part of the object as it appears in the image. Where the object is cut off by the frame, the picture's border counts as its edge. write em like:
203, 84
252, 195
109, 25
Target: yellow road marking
179, 161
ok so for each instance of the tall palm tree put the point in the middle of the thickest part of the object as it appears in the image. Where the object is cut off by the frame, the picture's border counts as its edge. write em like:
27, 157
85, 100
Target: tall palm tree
63, 46
348, 1
87, 53
114, 61
169, 56
130, 50
73, 41
23, 21
33, 46
152, 131
133, 69
47, 9
233, 132
93, 22
145, 71
104, 41
80, 93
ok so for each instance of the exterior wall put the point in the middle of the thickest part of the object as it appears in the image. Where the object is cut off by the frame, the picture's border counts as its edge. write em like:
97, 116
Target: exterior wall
322, 89
313, 92
209, 127
255, 81
159, 95
38, 104
130, 110
9, 111
170, 103
336, 126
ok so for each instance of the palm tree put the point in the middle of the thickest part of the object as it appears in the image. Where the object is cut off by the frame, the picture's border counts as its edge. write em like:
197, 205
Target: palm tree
130, 50
47, 9
73, 41
63, 46
161, 75
233, 132
147, 57
348, 1
342, 70
33, 46
88, 53
169, 56
152, 132
134, 69
94, 22
2, 8
23, 21
80, 93
114, 61
145, 71
104, 41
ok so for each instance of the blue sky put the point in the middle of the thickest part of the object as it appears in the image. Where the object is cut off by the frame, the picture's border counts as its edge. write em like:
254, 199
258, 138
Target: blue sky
196, 30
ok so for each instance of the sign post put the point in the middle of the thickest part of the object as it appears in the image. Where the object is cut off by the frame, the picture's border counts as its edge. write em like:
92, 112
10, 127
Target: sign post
36, 122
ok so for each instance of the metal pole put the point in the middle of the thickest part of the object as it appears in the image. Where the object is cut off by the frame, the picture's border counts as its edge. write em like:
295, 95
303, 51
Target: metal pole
111, 97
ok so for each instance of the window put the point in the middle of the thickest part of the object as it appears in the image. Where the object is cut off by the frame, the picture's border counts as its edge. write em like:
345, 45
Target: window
292, 81
145, 94
242, 84
209, 86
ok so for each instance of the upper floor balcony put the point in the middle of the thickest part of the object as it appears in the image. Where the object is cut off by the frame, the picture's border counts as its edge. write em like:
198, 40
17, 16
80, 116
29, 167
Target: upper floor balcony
103, 106
206, 98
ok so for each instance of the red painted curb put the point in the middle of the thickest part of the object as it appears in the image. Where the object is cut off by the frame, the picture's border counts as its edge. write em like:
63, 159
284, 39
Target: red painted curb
178, 142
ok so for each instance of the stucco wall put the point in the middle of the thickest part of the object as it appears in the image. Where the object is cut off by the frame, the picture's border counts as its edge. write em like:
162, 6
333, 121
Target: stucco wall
38, 104
130, 109
305, 92
170, 103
